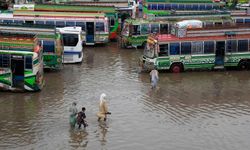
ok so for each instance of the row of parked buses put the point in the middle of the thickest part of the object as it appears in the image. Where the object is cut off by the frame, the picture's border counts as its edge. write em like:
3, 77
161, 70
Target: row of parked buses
34, 37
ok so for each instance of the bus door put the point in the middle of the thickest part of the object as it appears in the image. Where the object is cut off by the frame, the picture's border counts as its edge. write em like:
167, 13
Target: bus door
90, 33
17, 69
220, 53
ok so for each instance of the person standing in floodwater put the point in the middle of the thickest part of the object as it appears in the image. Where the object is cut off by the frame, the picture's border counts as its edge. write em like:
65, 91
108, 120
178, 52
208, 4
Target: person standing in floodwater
154, 77
103, 108
73, 112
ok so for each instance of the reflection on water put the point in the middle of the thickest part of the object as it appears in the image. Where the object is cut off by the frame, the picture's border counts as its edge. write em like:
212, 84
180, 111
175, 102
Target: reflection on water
191, 110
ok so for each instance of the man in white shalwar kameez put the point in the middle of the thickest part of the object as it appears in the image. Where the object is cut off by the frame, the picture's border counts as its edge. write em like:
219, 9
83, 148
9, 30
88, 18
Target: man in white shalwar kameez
103, 108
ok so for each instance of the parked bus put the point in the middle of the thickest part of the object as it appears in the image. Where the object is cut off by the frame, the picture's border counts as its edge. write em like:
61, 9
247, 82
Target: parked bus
206, 48
21, 63
72, 40
164, 7
136, 31
94, 25
49, 37
109, 11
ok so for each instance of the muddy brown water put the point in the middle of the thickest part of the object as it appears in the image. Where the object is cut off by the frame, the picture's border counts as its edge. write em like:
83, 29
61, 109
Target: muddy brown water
190, 111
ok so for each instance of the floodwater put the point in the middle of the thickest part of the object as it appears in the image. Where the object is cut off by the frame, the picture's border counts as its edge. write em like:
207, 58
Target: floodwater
189, 111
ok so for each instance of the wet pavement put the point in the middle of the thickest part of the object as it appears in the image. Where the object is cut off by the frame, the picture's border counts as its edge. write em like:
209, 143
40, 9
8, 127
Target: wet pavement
189, 111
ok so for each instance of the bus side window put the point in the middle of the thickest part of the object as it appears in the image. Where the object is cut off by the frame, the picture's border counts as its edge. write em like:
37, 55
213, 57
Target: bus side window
154, 28
60, 24
28, 62
5, 61
18, 21
242, 45
112, 21
164, 28
163, 50
1, 60
50, 23
7, 21
208, 47
48, 46
197, 47
99, 26
145, 29
29, 22
70, 24
185, 48
174, 48
167, 6
81, 24
136, 30
231, 46
40, 22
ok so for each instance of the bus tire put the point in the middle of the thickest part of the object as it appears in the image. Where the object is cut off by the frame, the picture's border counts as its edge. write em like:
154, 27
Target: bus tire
243, 65
176, 68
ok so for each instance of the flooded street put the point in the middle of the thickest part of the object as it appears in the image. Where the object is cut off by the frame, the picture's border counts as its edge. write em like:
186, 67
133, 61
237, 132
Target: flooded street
189, 111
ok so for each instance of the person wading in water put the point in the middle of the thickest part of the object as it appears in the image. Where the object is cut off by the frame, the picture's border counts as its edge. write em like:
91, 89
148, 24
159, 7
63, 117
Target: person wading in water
103, 108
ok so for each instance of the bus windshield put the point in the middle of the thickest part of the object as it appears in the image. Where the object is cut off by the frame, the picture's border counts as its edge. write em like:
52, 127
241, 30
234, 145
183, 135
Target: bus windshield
70, 39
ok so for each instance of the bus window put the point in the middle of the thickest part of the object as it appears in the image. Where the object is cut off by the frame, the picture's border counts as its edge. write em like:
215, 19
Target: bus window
81, 24
70, 24
7, 21
136, 30
5, 61
208, 47
112, 22
231, 46
242, 45
18, 21
186, 48
195, 7
60, 24
49, 46
188, 7
49, 23
70, 39
181, 6
161, 7
202, 7
154, 28
163, 50
154, 6
1, 59
99, 26
29, 22
174, 6
239, 20
40, 22
197, 47
28, 62
164, 28
209, 7
167, 6
145, 29
174, 48
247, 20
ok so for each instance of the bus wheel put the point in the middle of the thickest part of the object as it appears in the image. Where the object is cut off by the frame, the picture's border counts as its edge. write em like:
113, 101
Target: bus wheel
243, 65
176, 68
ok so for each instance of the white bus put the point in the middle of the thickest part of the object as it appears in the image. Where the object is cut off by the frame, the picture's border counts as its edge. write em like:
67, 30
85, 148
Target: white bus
73, 51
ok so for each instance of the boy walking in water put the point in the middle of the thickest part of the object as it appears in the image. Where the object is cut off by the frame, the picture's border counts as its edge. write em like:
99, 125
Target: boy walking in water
154, 77
80, 118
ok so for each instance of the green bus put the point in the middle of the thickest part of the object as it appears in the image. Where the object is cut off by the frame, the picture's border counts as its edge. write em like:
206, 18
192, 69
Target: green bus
110, 12
205, 48
49, 37
21, 63
136, 31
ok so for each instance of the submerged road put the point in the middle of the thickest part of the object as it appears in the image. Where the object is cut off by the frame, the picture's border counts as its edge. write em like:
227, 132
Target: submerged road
190, 111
